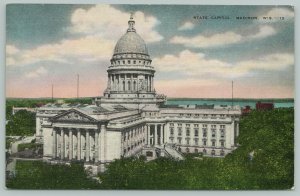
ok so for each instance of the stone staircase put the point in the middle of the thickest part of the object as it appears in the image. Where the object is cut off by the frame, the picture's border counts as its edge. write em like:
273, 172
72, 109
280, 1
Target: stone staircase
173, 153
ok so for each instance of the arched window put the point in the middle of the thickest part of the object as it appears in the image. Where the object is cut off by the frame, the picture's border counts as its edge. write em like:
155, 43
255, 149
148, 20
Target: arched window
213, 152
129, 87
222, 153
123, 85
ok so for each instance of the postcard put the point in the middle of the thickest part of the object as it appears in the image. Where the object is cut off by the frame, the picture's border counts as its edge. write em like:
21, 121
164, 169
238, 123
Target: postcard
150, 97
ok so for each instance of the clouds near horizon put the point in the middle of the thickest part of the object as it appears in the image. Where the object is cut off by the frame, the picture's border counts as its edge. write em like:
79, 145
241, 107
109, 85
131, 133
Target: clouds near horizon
191, 58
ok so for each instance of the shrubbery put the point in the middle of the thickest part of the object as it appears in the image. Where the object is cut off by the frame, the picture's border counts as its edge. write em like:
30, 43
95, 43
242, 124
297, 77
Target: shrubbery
268, 134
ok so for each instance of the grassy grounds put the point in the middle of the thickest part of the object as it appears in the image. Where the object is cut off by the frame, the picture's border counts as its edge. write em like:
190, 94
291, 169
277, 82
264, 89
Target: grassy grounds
268, 134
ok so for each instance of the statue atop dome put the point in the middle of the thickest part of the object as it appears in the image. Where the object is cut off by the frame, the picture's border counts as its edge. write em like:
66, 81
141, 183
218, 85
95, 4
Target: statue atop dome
131, 23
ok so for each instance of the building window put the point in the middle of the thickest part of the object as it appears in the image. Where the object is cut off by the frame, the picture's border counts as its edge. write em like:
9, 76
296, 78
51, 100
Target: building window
196, 132
213, 116
204, 132
187, 150
222, 133
187, 125
179, 131
124, 62
213, 152
196, 150
187, 141
213, 143
128, 61
205, 115
204, 151
222, 143
134, 62
204, 142
222, 116
179, 124
222, 153
196, 125
213, 133
179, 149
171, 124
187, 132
171, 131
172, 140
179, 140
196, 142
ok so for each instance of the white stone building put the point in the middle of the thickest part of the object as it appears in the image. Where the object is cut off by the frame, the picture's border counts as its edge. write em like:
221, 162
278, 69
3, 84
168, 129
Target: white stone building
131, 119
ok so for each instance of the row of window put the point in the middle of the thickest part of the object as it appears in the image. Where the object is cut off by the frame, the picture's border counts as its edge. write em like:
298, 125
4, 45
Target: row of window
131, 56
123, 62
213, 116
196, 132
196, 142
204, 151
197, 125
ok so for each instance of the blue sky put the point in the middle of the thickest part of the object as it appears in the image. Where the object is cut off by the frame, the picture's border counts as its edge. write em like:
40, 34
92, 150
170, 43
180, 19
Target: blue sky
50, 44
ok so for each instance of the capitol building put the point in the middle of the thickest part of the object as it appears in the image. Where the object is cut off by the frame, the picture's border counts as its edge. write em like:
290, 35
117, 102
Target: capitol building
131, 119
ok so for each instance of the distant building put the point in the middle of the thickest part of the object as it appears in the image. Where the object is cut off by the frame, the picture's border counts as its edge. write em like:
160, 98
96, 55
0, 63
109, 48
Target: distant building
264, 106
131, 119
246, 110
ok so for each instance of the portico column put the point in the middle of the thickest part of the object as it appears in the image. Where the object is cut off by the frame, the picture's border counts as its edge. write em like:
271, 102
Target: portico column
126, 85
237, 129
54, 143
131, 82
62, 144
148, 135
70, 144
155, 135
232, 135
96, 145
87, 143
114, 82
161, 134
78, 144
151, 83
120, 83
102, 143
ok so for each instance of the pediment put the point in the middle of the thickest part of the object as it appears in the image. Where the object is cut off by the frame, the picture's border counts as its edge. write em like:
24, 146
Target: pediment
73, 116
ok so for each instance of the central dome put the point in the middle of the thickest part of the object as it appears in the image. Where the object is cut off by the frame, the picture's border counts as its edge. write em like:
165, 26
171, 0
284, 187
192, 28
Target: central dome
131, 42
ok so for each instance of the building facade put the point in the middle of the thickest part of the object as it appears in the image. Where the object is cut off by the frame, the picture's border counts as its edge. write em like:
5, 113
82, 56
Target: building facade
131, 118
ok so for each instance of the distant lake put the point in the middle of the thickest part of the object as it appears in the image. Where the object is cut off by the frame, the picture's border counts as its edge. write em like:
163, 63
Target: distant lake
278, 103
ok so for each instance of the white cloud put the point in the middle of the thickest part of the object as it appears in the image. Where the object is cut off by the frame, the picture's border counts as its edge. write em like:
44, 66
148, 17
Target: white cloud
111, 23
99, 28
197, 64
88, 47
11, 50
186, 26
41, 71
221, 39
